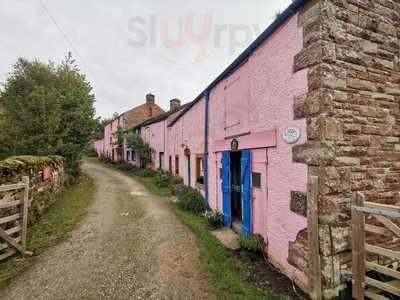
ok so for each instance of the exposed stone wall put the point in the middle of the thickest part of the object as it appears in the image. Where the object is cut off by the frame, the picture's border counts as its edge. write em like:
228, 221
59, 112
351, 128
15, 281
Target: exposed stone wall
352, 53
45, 174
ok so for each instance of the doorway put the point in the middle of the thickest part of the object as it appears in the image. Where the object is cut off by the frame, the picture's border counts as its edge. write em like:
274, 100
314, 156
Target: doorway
236, 187
188, 170
236, 190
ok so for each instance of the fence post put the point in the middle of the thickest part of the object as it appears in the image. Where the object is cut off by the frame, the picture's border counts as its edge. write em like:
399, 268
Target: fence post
358, 246
25, 205
314, 263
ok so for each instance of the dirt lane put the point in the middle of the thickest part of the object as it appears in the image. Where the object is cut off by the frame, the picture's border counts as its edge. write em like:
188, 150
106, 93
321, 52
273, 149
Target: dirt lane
130, 246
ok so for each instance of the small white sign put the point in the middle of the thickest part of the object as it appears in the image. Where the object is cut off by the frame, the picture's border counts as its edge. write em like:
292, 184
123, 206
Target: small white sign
291, 134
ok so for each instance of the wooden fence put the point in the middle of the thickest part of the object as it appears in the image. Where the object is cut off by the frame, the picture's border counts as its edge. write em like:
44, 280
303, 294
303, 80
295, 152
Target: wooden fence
13, 239
375, 275
314, 263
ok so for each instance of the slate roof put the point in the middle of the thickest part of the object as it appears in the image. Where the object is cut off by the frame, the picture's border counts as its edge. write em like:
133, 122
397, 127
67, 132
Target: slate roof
170, 115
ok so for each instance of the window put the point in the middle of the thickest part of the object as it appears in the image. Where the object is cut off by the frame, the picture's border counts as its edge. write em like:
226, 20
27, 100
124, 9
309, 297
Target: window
199, 169
256, 180
170, 164
133, 154
161, 160
128, 155
177, 165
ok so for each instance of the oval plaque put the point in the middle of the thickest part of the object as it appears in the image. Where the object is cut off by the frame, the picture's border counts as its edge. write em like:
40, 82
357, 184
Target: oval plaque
291, 134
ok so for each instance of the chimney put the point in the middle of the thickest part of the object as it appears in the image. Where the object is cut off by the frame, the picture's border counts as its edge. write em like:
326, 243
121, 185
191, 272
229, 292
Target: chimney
150, 99
174, 104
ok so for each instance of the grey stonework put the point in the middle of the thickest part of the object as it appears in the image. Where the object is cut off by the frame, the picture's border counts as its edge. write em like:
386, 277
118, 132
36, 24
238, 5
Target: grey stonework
12, 170
352, 54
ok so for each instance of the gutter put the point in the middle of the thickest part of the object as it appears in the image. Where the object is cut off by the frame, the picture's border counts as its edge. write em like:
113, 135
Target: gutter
205, 157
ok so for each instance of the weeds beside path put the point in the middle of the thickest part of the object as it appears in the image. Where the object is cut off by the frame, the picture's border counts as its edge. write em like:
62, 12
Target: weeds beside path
53, 227
224, 270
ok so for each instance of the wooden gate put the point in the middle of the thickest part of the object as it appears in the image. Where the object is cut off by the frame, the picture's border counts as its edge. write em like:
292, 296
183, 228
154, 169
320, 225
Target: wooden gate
13, 225
375, 266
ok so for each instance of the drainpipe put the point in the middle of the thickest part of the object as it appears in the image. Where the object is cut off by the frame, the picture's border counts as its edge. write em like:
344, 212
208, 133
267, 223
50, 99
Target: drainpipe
205, 158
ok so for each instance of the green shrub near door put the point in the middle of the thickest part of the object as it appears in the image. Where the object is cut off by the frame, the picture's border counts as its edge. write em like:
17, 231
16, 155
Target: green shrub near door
252, 242
189, 199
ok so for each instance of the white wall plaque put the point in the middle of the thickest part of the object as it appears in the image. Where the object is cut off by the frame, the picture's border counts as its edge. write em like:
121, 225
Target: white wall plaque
291, 134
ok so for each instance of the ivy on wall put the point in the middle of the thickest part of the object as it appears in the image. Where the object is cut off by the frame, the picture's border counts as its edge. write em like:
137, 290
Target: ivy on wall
135, 142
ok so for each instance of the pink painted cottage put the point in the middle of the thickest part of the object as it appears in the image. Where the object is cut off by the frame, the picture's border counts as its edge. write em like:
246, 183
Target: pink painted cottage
154, 132
250, 175
316, 94
229, 142
108, 146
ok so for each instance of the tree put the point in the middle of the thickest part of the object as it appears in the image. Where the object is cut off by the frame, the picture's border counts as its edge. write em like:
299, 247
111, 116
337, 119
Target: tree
47, 109
135, 142
120, 142
100, 124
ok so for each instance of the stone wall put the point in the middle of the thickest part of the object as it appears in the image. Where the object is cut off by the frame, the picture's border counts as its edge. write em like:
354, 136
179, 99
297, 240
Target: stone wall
45, 174
352, 53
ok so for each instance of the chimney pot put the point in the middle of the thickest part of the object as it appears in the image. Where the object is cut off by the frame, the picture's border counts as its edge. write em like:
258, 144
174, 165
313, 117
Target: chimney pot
174, 104
150, 99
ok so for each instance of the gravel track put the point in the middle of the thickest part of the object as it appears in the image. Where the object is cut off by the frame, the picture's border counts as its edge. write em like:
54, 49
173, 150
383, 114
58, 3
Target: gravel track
129, 246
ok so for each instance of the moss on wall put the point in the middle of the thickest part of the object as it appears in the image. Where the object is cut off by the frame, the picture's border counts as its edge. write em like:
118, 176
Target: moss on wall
15, 164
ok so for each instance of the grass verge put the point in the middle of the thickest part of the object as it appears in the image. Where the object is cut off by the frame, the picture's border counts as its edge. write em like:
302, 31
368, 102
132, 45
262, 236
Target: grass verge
52, 227
223, 270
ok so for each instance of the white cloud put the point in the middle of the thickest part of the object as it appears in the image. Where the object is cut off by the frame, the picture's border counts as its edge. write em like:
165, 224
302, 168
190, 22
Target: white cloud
121, 74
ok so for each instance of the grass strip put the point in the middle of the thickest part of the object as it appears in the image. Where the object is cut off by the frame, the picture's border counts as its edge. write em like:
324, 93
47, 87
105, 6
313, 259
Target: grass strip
223, 269
53, 226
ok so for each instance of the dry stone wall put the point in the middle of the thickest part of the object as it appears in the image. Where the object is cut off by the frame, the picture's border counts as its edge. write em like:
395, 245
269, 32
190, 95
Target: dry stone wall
352, 53
45, 174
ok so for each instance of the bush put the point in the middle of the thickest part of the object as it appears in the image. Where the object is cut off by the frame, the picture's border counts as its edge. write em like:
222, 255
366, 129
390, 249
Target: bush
145, 172
162, 179
123, 166
44, 200
105, 159
214, 218
252, 242
191, 200
89, 151
165, 179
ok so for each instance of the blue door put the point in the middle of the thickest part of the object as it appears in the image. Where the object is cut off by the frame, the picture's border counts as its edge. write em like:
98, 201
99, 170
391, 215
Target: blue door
226, 187
246, 191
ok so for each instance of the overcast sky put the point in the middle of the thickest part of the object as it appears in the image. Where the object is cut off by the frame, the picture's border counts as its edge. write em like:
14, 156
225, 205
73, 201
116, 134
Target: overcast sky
128, 48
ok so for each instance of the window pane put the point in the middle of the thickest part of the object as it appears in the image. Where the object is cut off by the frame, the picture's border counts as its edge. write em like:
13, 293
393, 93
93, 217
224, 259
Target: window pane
256, 179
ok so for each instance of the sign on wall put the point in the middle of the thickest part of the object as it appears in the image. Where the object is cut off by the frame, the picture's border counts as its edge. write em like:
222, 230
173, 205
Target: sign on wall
235, 145
291, 134
47, 173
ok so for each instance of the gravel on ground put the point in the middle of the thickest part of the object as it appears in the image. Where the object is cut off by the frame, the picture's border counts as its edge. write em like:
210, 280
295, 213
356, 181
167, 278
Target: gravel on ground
129, 246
